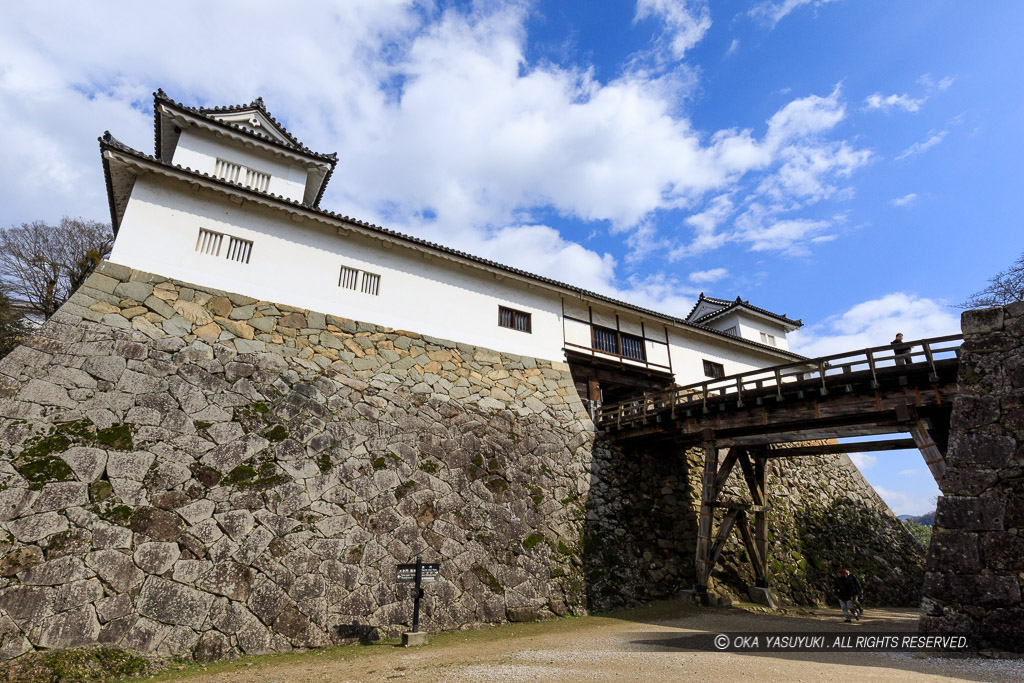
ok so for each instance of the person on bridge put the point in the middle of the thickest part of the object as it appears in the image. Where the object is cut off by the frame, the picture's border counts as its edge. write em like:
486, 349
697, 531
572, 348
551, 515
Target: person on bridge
846, 587
902, 351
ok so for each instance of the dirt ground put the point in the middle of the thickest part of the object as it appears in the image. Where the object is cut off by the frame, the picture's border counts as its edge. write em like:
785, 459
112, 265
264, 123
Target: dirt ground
617, 647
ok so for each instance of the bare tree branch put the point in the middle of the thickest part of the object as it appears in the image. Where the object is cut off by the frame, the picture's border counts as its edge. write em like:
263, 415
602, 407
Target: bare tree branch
12, 324
1003, 288
42, 265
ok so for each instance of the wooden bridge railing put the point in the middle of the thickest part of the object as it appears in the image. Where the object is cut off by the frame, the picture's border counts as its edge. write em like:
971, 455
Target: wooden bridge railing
814, 373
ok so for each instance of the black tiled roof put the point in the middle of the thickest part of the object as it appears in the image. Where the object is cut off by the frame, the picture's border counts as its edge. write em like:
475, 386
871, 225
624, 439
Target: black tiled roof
207, 113
109, 142
730, 305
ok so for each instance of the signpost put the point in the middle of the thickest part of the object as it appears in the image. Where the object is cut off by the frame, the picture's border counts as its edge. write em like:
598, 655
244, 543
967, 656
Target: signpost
419, 573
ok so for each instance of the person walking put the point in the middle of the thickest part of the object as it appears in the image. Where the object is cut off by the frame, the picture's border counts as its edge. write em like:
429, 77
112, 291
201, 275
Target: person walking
901, 350
846, 586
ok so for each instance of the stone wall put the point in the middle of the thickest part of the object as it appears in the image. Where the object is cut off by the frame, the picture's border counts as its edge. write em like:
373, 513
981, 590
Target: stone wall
642, 527
975, 568
196, 472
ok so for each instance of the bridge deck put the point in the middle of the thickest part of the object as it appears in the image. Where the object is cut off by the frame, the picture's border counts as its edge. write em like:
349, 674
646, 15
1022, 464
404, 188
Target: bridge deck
860, 393
752, 414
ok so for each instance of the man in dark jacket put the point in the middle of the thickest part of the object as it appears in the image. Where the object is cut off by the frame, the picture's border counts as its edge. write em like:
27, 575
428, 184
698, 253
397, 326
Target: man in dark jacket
846, 588
901, 350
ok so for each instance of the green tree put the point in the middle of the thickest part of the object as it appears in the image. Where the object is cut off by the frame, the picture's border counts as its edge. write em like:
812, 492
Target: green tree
921, 533
42, 265
1003, 288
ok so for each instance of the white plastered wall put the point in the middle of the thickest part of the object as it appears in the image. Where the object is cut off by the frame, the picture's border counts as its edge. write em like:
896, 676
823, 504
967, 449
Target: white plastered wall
199, 150
299, 265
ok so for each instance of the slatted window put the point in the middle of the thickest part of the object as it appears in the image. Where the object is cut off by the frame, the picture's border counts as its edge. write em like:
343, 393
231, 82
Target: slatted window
243, 175
209, 242
514, 320
606, 340
619, 343
239, 250
226, 170
768, 339
257, 180
349, 277
713, 370
371, 284
633, 347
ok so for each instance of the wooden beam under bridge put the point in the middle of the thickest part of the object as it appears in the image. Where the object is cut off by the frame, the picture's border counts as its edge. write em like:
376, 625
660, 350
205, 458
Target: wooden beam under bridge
834, 448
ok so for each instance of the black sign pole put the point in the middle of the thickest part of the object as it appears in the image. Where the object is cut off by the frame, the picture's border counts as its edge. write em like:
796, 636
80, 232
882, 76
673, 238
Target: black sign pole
419, 594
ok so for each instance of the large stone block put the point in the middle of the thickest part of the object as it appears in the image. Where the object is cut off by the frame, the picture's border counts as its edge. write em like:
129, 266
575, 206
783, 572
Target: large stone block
984, 590
972, 514
173, 603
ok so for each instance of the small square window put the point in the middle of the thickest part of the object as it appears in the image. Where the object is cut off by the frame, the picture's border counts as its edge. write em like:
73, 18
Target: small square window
514, 320
713, 370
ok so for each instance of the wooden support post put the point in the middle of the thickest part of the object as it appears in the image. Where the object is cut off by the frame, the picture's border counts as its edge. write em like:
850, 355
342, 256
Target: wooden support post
707, 517
925, 442
756, 559
760, 518
730, 518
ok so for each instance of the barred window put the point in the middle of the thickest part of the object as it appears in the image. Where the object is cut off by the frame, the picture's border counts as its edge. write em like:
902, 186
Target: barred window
713, 370
239, 250
209, 242
605, 340
514, 320
348, 278
232, 172
371, 284
633, 347
619, 343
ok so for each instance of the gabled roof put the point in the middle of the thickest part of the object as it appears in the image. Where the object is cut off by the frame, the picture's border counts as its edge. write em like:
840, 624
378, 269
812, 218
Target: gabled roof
116, 196
256, 106
215, 115
725, 306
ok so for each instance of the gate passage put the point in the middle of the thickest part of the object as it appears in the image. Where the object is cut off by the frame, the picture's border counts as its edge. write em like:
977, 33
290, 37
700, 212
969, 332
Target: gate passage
772, 412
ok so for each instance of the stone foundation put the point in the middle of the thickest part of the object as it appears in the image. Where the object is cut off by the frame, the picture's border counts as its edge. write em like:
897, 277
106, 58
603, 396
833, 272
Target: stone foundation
199, 473
976, 563
641, 531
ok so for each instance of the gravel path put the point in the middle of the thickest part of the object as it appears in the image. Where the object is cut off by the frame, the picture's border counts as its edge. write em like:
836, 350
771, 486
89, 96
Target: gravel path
612, 648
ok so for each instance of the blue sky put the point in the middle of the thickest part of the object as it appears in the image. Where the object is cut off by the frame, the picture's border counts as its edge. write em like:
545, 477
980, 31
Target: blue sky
850, 163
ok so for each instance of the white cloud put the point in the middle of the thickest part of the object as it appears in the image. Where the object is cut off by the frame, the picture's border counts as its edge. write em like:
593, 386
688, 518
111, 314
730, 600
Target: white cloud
435, 113
864, 461
773, 11
921, 147
790, 235
905, 503
734, 47
875, 323
911, 473
701, 277
685, 22
935, 86
905, 200
887, 103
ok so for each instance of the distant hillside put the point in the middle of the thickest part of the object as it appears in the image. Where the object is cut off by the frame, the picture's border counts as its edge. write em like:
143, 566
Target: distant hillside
927, 519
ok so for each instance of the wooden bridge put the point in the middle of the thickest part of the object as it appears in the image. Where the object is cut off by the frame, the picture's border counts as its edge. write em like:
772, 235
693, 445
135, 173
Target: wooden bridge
773, 412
